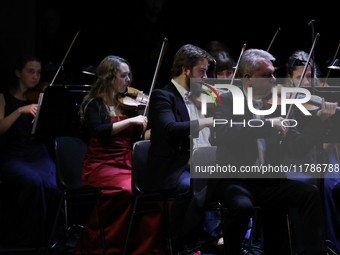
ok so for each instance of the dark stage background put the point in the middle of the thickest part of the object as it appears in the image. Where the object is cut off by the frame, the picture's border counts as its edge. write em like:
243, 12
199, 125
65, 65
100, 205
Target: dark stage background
135, 31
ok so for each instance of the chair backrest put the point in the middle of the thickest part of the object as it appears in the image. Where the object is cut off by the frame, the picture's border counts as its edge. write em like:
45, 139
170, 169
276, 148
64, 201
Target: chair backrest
202, 157
139, 158
70, 153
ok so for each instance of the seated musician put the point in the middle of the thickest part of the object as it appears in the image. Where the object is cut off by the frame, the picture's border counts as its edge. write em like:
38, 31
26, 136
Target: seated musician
224, 65
323, 153
107, 166
26, 163
248, 146
171, 114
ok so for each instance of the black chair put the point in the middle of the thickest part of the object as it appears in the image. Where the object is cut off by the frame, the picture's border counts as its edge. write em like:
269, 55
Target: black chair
205, 157
69, 155
139, 157
9, 193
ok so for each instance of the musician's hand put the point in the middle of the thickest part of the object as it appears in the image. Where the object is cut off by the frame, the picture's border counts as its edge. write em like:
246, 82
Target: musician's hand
31, 108
205, 122
140, 120
279, 125
327, 109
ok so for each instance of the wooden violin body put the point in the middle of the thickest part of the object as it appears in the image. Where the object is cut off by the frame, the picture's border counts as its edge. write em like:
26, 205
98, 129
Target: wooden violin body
313, 105
133, 99
32, 95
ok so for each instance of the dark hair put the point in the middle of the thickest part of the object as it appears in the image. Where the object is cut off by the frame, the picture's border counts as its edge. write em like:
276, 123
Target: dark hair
216, 46
223, 62
188, 56
301, 56
299, 59
19, 65
23, 60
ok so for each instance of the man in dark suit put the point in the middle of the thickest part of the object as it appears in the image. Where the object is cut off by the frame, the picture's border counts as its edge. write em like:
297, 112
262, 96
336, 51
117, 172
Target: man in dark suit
172, 121
243, 145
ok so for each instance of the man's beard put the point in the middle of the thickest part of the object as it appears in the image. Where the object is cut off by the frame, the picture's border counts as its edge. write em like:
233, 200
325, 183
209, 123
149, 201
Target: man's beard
194, 88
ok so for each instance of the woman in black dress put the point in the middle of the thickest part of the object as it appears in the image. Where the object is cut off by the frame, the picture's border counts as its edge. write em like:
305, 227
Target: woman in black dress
26, 163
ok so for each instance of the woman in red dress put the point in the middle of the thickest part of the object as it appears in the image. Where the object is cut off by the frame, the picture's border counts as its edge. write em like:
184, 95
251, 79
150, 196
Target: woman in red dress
107, 166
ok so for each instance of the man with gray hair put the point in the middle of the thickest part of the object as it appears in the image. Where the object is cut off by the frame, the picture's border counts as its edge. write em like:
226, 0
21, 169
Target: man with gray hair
242, 146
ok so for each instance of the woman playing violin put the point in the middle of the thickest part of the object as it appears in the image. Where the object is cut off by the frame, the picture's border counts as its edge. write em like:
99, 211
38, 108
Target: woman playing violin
295, 67
325, 152
107, 165
26, 163
223, 65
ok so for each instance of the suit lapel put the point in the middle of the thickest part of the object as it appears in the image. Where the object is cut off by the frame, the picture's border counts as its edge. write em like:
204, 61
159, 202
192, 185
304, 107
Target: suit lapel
181, 110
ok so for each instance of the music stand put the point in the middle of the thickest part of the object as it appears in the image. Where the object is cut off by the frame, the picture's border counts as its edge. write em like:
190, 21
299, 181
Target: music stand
54, 114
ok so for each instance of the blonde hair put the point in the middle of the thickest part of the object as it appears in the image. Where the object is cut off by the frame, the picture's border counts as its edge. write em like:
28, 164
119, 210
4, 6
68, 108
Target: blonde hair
102, 88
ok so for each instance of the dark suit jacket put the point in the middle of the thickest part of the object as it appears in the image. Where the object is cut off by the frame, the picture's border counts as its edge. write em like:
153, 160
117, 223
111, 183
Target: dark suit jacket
171, 127
237, 146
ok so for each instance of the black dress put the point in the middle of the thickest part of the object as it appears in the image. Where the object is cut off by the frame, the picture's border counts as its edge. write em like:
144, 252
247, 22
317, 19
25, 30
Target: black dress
27, 166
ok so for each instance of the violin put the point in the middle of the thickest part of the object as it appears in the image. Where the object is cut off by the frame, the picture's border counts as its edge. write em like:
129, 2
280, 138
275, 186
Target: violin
313, 105
132, 99
32, 95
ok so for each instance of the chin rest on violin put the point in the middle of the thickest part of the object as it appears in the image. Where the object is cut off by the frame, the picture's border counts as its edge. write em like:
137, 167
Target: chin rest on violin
32, 95
132, 99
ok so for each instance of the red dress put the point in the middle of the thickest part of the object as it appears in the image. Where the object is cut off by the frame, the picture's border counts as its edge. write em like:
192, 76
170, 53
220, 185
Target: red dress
108, 167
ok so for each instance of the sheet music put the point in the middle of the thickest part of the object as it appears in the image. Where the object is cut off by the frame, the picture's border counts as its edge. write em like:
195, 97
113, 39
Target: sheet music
35, 121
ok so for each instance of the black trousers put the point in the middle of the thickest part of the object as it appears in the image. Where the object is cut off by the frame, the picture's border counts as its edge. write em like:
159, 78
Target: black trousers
239, 196
336, 196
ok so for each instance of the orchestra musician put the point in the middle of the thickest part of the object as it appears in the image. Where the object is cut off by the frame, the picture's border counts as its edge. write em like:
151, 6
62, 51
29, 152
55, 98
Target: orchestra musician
242, 145
107, 166
171, 116
25, 162
323, 153
224, 65
295, 66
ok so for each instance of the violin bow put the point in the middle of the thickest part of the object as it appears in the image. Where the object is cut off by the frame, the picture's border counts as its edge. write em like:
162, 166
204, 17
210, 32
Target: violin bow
41, 96
302, 77
62, 62
238, 62
304, 72
161, 54
275, 35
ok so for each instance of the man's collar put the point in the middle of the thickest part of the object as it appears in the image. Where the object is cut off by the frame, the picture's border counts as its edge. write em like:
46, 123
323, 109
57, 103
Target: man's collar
182, 91
257, 103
